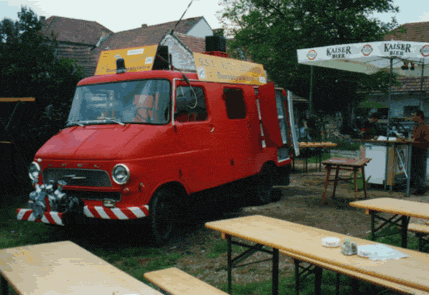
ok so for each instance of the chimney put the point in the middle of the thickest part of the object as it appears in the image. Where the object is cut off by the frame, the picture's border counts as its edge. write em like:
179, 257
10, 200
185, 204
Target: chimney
144, 25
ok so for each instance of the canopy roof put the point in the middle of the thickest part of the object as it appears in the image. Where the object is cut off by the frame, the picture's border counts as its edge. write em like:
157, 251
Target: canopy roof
406, 58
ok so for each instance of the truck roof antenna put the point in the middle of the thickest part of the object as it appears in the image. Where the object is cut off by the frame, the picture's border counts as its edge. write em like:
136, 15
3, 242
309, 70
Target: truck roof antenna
171, 33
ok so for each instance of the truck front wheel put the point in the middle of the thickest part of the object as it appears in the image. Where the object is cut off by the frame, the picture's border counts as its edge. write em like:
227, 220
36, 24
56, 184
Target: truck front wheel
164, 215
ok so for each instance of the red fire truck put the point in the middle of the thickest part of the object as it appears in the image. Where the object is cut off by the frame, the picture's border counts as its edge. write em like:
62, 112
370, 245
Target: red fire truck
138, 142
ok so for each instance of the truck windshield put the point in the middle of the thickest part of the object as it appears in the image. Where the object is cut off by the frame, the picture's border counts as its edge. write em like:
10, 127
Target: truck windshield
142, 101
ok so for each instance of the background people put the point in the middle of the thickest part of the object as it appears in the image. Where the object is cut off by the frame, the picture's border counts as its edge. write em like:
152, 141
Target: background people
420, 138
369, 128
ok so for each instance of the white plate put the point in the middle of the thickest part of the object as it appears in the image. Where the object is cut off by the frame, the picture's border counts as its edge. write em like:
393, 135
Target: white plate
331, 242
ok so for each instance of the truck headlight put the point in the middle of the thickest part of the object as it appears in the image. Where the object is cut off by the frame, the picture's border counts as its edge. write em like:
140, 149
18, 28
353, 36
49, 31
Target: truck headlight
34, 171
120, 174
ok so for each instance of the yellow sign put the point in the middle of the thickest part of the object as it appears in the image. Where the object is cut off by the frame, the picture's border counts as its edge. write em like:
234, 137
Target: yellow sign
14, 99
138, 59
220, 69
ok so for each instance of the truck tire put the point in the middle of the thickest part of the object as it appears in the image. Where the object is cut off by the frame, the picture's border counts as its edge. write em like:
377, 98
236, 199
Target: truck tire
264, 184
164, 215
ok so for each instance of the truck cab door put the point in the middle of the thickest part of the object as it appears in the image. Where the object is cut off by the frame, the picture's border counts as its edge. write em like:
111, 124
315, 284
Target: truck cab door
293, 136
269, 115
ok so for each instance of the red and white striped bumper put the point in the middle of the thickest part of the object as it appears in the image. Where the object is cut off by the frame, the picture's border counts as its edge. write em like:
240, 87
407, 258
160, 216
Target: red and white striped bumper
92, 212
48, 217
116, 213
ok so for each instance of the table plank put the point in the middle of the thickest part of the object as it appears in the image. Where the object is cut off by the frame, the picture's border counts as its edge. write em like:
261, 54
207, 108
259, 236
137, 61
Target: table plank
395, 206
317, 144
65, 268
346, 162
306, 241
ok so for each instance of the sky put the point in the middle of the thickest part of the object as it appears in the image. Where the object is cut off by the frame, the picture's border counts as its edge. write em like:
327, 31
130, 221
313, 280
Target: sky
131, 14
117, 15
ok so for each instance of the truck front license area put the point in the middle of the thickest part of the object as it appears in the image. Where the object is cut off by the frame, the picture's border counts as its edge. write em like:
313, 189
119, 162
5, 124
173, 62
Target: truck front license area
49, 203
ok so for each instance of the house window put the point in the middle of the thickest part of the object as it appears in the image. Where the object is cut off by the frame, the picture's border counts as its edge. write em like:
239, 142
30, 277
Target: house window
410, 110
234, 102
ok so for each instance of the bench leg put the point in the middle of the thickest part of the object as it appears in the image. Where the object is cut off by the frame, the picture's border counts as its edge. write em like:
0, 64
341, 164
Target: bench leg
364, 182
404, 229
328, 174
4, 286
355, 182
275, 285
337, 285
296, 262
318, 280
355, 286
422, 240
229, 246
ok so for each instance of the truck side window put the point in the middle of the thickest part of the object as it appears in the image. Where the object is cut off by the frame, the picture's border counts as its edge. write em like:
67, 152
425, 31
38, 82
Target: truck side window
234, 102
189, 108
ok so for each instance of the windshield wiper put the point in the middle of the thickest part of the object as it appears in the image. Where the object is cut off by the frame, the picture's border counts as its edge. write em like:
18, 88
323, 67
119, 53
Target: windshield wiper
98, 121
109, 120
74, 123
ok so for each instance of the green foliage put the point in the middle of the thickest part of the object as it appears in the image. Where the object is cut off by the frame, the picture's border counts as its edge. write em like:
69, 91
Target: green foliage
29, 67
346, 144
270, 32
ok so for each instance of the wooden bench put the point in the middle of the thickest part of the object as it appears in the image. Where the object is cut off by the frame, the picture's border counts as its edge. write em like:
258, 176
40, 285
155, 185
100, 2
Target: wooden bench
63, 268
421, 231
175, 281
355, 275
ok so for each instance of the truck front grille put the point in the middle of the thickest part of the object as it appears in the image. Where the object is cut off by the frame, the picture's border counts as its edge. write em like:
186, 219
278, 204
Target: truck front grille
86, 195
78, 177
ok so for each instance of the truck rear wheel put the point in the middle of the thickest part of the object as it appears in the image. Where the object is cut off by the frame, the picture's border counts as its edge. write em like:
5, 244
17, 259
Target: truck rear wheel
264, 184
164, 215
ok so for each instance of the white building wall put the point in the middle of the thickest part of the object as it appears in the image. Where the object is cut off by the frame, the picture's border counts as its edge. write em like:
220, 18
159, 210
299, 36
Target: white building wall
182, 58
200, 29
397, 107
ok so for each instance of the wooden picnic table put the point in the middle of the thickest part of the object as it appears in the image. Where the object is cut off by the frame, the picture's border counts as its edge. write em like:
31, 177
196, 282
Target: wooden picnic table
305, 241
316, 145
402, 211
64, 268
338, 164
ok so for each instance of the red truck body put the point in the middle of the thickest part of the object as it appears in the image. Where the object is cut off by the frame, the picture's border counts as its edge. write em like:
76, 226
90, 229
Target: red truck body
182, 139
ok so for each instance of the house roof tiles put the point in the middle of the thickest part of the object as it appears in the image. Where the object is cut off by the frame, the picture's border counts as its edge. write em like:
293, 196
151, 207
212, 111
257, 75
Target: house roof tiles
411, 84
151, 35
417, 32
74, 31
414, 32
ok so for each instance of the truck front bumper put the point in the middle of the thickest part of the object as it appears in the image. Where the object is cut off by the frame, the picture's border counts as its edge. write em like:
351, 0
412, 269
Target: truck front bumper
53, 217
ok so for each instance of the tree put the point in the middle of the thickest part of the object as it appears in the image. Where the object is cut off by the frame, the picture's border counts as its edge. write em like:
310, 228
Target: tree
270, 32
29, 67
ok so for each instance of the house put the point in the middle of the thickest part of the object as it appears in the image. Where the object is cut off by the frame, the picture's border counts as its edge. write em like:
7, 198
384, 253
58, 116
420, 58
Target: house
83, 40
412, 94
76, 39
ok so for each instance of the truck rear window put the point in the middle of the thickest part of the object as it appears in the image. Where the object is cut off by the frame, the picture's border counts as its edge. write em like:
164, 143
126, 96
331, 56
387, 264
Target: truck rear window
234, 102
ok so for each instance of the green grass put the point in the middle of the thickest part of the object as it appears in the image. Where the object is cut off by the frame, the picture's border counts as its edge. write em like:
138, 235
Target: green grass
315, 159
287, 286
396, 240
221, 248
136, 259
